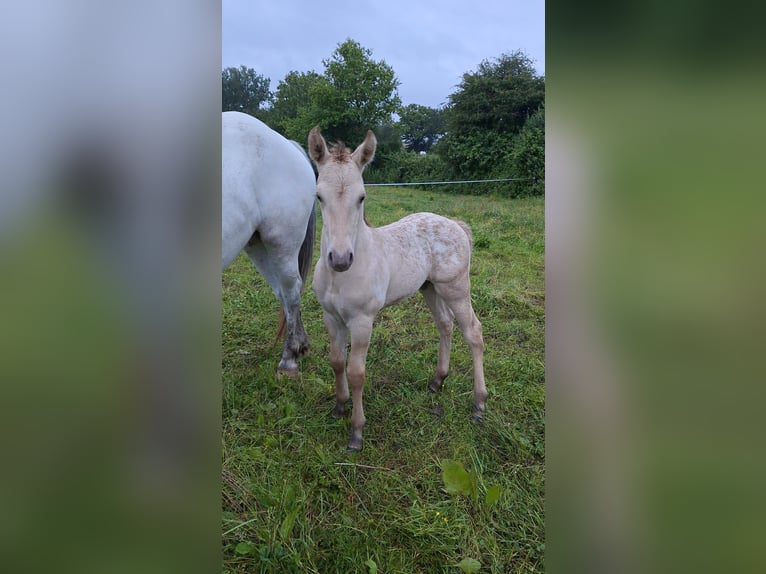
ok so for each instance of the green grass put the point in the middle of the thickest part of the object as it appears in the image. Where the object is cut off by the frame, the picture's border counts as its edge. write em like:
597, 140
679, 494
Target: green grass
295, 501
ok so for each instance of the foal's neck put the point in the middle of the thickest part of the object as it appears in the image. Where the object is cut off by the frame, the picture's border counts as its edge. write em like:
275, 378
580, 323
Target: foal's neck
364, 235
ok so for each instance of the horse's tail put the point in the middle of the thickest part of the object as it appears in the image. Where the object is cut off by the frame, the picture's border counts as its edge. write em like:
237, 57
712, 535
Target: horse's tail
306, 254
305, 257
464, 227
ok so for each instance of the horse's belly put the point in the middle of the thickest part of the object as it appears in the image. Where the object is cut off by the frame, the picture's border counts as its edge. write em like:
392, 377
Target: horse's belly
403, 284
395, 298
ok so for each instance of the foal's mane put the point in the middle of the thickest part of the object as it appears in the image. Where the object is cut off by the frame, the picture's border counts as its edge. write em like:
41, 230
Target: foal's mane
340, 153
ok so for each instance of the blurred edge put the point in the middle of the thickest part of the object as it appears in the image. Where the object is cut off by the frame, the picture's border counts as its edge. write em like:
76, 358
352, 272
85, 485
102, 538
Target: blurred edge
110, 289
655, 280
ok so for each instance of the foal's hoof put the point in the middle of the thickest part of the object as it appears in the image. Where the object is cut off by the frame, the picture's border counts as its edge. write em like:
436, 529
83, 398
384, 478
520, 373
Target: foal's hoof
477, 413
436, 384
354, 443
338, 412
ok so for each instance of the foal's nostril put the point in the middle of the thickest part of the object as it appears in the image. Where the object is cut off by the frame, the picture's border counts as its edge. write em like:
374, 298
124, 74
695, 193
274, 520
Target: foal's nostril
329, 257
350, 258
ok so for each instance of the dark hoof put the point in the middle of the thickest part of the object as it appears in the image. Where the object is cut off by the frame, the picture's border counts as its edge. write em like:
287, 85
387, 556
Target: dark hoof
354, 443
353, 449
434, 387
477, 418
338, 412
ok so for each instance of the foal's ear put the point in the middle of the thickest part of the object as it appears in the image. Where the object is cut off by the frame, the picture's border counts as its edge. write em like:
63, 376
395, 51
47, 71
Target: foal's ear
317, 146
366, 150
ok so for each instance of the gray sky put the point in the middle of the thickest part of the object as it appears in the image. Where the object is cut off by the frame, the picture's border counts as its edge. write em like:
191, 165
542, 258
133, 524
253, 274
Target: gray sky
430, 45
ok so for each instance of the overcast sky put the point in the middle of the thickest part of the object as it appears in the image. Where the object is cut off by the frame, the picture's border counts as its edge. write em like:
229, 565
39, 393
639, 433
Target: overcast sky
429, 44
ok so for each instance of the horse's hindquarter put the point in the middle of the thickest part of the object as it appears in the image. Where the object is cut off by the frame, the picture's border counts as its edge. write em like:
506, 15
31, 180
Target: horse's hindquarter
422, 247
268, 185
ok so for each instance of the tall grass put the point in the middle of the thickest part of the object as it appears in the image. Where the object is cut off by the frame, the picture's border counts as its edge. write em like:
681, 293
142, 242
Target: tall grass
295, 501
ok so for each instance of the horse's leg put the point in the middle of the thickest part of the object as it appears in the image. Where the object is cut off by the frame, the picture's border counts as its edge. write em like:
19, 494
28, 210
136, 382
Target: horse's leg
296, 339
338, 340
444, 323
282, 276
361, 329
457, 296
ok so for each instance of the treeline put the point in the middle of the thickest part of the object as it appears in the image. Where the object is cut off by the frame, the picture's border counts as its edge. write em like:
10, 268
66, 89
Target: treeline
492, 127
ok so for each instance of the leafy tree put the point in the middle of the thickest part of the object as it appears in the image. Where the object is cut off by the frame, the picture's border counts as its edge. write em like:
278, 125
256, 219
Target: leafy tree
528, 155
359, 94
389, 139
244, 90
487, 112
292, 97
421, 126
499, 96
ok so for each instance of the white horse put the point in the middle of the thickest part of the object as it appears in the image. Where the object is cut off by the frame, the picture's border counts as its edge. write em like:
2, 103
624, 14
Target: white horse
363, 269
268, 209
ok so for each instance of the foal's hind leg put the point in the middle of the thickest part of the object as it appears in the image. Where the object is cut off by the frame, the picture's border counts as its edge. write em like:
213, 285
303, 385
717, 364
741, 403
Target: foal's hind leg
457, 296
444, 323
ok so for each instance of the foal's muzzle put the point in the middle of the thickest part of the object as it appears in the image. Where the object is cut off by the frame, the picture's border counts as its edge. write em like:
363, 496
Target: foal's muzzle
340, 262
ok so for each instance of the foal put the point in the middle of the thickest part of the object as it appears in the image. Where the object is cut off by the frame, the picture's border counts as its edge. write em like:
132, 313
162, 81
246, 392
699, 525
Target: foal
362, 269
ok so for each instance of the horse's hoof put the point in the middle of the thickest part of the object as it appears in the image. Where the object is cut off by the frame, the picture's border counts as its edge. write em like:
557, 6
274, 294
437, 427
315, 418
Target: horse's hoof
338, 412
293, 374
354, 444
477, 418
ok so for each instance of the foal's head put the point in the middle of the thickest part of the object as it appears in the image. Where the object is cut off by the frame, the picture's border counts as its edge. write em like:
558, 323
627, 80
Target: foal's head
340, 192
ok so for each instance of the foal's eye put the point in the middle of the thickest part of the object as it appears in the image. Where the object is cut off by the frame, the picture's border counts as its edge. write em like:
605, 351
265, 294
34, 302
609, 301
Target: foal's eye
361, 199
319, 198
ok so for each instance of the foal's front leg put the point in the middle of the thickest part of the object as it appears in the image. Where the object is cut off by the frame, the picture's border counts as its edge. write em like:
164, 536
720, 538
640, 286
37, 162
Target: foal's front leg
338, 339
361, 329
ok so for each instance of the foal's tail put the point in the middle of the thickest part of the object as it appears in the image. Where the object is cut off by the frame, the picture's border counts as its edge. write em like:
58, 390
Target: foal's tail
305, 257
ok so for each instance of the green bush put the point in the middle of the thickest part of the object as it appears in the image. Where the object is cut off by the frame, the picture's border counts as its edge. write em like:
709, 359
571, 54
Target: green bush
480, 154
406, 167
528, 156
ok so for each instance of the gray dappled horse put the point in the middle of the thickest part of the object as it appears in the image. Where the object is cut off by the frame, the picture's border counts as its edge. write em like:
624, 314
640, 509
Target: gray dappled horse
267, 209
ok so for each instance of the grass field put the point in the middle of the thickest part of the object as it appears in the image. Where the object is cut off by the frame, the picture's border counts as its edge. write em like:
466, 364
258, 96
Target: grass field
295, 501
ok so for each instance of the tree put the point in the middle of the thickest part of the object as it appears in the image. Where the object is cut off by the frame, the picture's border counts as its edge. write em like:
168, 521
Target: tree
292, 96
499, 96
486, 113
421, 126
355, 93
244, 90
359, 94
528, 155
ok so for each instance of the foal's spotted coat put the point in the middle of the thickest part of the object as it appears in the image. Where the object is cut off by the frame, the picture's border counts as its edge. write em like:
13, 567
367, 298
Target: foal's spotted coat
363, 269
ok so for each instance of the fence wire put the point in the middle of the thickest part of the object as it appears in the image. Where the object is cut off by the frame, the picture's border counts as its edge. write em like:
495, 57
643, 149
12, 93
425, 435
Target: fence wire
448, 182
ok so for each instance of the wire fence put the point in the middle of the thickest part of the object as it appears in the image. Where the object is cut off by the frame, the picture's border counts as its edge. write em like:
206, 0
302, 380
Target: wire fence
449, 182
